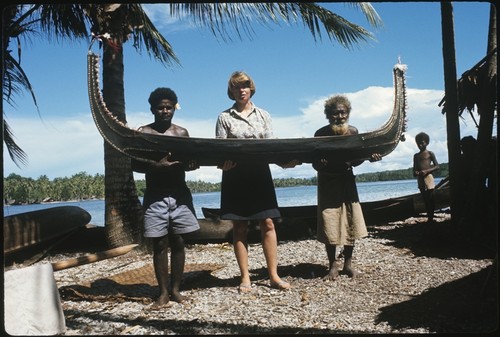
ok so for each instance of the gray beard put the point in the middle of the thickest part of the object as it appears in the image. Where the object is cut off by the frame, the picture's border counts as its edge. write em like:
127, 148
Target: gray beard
340, 129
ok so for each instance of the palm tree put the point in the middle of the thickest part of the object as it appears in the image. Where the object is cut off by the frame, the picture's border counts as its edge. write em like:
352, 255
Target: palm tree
451, 90
123, 210
476, 88
113, 23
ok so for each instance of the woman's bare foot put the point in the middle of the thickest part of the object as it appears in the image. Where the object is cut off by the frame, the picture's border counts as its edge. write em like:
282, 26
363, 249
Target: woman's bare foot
161, 301
244, 288
281, 285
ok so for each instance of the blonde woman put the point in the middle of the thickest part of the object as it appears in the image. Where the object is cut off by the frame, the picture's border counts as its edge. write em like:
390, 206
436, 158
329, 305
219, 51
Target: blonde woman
247, 191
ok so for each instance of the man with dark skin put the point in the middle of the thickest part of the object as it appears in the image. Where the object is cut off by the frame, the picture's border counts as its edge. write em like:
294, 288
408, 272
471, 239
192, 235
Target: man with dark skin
168, 203
424, 163
340, 217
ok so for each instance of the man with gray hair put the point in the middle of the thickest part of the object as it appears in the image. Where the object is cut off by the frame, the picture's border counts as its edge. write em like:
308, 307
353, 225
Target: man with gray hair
340, 217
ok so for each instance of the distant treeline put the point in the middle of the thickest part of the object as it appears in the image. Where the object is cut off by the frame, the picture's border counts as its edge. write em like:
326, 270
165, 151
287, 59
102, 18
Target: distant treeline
403, 174
82, 186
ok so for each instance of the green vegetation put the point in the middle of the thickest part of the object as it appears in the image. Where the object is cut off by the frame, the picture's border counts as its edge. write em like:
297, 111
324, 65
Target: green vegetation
21, 190
81, 186
397, 174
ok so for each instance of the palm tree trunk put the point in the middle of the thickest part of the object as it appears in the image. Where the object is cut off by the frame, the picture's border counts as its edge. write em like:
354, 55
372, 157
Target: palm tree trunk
451, 105
123, 210
482, 204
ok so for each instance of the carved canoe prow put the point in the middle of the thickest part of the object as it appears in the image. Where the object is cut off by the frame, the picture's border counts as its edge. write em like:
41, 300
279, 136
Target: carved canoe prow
213, 152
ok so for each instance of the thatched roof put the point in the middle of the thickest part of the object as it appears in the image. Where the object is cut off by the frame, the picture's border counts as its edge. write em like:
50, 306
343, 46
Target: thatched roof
470, 86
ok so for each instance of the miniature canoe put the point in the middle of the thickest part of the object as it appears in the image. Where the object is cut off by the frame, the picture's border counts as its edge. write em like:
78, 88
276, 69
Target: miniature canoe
213, 152
26, 230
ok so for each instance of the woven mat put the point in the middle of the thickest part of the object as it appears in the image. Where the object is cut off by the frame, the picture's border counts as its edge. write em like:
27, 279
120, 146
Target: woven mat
138, 284
146, 273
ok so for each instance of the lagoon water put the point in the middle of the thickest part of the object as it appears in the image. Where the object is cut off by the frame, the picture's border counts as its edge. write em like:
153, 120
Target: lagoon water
287, 196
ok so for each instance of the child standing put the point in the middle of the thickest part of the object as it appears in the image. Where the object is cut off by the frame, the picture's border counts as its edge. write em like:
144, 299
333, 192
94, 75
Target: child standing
424, 163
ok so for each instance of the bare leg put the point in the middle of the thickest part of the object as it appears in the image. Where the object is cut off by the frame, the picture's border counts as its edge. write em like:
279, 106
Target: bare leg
333, 269
160, 263
428, 203
240, 231
270, 248
348, 270
431, 205
177, 258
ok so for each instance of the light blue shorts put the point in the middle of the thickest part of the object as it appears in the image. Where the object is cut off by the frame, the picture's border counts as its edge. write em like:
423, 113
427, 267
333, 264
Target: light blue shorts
166, 216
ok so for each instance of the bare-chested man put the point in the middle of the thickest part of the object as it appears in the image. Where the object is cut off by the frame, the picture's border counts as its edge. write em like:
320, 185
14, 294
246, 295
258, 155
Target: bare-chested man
424, 163
168, 203
340, 217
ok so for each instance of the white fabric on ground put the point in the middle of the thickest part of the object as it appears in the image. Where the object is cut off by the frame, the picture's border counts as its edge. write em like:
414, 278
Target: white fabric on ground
32, 303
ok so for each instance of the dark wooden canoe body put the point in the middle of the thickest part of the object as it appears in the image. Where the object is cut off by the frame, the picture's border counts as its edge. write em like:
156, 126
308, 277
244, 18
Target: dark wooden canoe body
404, 207
297, 222
36, 228
375, 213
212, 152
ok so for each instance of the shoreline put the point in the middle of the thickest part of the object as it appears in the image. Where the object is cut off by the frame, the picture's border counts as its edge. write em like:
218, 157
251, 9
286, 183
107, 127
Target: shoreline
53, 202
414, 279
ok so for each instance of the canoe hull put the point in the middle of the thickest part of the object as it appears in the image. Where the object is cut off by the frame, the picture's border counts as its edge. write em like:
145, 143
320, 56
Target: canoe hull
297, 222
374, 212
26, 230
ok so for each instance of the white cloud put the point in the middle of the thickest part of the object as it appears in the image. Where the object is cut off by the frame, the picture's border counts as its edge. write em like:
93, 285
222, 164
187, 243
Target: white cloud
65, 146
57, 148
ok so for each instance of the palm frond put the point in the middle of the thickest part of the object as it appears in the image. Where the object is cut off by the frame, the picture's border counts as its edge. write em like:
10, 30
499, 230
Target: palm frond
145, 33
370, 13
15, 81
17, 155
469, 88
63, 21
337, 28
14, 27
224, 18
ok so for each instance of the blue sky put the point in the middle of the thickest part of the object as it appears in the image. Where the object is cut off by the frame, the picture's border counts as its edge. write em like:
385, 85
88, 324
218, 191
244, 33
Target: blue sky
293, 73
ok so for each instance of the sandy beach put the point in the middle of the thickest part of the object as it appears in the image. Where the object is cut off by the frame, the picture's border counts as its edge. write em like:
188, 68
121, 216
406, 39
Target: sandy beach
415, 278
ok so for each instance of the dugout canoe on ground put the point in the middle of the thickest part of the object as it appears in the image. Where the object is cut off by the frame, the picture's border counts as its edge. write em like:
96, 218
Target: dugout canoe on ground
66, 228
29, 233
